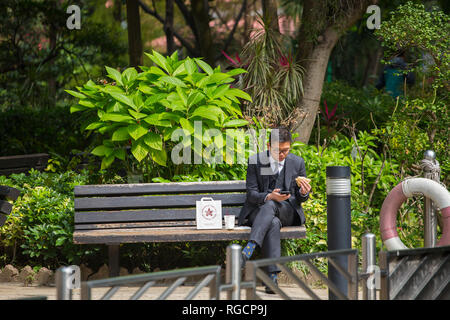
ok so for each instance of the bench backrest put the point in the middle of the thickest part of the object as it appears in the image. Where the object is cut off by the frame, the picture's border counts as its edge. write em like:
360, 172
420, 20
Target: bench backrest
23, 163
151, 204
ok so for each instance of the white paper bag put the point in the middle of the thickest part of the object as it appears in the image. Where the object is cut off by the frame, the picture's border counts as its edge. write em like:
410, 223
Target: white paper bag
209, 213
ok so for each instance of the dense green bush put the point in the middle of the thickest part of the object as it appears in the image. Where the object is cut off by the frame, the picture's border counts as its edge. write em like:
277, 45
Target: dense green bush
54, 131
40, 227
142, 110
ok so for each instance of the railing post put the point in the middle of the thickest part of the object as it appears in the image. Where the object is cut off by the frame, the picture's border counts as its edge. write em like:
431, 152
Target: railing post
431, 170
67, 278
233, 271
369, 256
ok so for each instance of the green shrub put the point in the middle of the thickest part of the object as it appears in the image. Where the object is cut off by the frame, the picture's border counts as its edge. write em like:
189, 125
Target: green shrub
26, 130
142, 110
41, 223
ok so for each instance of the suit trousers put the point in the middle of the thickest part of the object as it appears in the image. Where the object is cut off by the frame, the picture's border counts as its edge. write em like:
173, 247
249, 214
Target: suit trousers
266, 222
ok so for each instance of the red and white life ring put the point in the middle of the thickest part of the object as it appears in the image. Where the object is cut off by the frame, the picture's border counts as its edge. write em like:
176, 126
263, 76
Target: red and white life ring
405, 189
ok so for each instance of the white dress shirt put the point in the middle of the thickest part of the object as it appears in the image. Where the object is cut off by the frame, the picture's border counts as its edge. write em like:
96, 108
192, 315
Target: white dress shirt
276, 165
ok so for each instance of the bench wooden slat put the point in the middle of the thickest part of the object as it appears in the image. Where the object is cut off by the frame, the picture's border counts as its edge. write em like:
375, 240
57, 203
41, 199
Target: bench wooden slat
5, 207
143, 215
27, 160
138, 224
159, 188
7, 172
145, 224
142, 202
2, 219
134, 235
9, 193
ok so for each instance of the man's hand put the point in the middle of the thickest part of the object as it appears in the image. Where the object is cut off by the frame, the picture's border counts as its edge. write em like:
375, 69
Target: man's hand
303, 184
277, 196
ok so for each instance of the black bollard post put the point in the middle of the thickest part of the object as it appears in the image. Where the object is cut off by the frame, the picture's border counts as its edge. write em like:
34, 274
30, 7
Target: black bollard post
338, 223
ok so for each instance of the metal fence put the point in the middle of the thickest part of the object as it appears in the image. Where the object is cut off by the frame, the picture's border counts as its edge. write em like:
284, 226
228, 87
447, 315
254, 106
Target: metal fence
254, 272
211, 279
415, 274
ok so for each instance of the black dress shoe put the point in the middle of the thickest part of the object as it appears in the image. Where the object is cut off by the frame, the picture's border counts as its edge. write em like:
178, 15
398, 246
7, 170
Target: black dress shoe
270, 291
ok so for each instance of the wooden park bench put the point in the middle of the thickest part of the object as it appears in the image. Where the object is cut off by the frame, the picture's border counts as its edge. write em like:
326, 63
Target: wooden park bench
23, 163
7, 194
155, 212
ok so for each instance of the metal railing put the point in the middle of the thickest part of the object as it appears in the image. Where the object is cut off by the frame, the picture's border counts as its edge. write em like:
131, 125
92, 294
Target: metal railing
211, 278
254, 272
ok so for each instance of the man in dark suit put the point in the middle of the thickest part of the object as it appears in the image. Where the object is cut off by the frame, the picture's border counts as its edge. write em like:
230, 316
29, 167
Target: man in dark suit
267, 208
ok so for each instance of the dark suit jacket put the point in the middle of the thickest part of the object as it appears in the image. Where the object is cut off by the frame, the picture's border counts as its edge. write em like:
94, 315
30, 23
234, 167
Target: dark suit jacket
257, 183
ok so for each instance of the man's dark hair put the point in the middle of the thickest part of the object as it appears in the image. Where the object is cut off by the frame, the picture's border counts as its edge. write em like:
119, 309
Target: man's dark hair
281, 135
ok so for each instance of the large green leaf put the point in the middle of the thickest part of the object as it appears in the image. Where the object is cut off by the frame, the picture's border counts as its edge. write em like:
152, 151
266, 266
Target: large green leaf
154, 119
86, 103
179, 70
115, 75
94, 125
160, 61
238, 93
159, 156
137, 115
206, 67
139, 150
235, 123
116, 117
182, 95
220, 91
129, 75
101, 150
76, 94
208, 112
187, 125
136, 131
107, 161
155, 98
173, 81
124, 99
120, 134
194, 98
190, 66
120, 154
236, 71
153, 140
76, 108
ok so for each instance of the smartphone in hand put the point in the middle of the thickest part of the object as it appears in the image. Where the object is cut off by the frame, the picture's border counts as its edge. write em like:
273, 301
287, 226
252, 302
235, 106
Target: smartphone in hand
285, 192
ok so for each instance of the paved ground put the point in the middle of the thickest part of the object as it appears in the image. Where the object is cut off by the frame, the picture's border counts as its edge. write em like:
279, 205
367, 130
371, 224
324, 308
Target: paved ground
15, 290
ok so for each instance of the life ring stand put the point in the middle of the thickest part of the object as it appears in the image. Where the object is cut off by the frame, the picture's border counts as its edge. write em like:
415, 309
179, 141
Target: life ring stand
405, 189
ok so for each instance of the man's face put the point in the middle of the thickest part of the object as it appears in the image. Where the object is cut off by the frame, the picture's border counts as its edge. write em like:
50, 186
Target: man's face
279, 151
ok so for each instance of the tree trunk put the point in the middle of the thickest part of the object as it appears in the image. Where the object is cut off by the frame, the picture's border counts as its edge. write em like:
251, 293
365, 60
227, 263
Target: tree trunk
52, 79
374, 66
315, 46
134, 33
168, 27
117, 12
313, 83
200, 13
270, 14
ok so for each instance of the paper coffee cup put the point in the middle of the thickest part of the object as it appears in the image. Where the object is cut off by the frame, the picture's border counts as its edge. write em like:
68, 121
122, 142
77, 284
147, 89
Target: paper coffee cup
229, 221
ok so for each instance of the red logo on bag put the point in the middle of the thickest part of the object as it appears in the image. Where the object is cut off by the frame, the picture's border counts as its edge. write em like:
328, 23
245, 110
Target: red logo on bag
209, 212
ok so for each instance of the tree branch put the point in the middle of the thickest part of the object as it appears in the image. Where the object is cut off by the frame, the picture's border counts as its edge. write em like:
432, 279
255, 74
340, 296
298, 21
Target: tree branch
183, 41
231, 34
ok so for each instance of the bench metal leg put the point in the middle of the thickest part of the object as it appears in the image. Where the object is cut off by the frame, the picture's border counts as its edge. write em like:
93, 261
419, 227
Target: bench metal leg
113, 254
